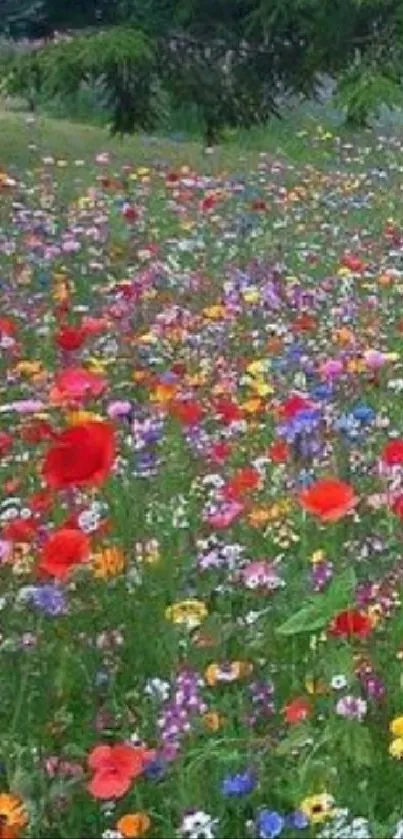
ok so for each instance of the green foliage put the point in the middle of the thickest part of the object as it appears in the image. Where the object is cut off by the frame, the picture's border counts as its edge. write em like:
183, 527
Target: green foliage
317, 614
120, 60
363, 89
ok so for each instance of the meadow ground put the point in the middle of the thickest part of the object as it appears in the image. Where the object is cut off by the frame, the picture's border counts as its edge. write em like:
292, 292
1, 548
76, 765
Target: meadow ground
201, 443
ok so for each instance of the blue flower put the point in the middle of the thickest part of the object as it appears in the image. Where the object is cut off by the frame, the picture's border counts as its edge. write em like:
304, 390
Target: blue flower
269, 824
363, 414
298, 820
238, 785
49, 599
155, 770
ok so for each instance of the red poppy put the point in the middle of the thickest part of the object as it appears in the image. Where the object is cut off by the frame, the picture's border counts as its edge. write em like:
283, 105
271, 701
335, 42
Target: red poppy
279, 452
305, 323
7, 327
219, 452
298, 710
38, 431
65, 549
294, 405
79, 384
130, 214
70, 338
208, 203
20, 530
187, 412
354, 263
350, 623
6, 442
81, 456
115, 768
228, 411
94, 326
392, 454
329, 500
245, 480
41, 501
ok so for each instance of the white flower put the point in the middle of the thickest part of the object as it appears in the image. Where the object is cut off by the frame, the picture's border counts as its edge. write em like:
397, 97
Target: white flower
198, 825
398, 834
352, 707
339, 682
158, 689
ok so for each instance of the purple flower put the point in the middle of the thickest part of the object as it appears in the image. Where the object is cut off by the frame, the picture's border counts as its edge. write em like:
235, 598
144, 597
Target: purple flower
236, 786
49, 599
352, 707
269, 824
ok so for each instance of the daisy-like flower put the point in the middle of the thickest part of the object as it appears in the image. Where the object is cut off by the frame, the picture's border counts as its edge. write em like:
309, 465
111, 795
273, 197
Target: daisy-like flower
351, 707
197, 825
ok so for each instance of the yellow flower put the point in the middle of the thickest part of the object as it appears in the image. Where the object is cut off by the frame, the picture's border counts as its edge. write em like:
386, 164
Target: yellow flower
109, 562
77, 417
133, 825
396, 748
148, 552
13, 816
252, 295
227, 672
261, 388
189, 613
29, 368
216, 312
252, 406
317, 808
259, 516
212, 720
318, 556
396, 726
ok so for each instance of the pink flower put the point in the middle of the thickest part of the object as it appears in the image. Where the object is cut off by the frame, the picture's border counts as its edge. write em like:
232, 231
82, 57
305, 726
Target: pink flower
261, 574
332, 369
374, 359
226, 515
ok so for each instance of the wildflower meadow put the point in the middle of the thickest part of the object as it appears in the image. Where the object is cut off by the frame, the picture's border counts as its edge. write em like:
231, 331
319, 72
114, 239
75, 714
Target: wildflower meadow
201, 504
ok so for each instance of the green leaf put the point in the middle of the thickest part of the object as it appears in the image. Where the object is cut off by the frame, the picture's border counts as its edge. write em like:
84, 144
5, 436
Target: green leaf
357, 745
300, 736
317, 614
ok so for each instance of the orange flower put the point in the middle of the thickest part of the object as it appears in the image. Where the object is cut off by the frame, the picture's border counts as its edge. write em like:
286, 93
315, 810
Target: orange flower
133, 825
13, 817
328, 499
298, 710
115, 769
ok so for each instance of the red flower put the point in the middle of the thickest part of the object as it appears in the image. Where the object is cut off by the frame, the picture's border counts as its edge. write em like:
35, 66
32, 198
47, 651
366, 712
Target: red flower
115, 768
70, 338
81, 456
294, 405
38, 431
20, 530
219, 452
298, 710
305, 323
329, 500
259, 205
6, 441
65, 549
397, 506
279, 452
350, 623
130, 214
354, 263
245, 480
392, 454
187, 412
78, 384
227, 411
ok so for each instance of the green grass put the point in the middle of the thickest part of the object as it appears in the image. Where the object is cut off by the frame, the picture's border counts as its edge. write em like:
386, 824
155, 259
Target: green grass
293, 199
